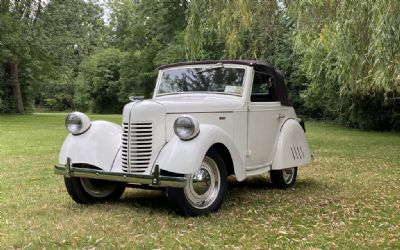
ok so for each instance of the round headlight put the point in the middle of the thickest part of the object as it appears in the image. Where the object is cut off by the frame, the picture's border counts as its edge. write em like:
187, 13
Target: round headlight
77, 123
186, 127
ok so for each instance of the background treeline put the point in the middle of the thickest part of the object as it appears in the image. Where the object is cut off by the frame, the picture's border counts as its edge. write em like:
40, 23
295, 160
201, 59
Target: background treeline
341, 59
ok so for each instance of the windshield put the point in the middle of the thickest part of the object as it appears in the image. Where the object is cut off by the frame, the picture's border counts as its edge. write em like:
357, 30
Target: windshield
215, 79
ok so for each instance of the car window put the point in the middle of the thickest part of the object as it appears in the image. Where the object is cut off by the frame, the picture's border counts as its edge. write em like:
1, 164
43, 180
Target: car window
263, 88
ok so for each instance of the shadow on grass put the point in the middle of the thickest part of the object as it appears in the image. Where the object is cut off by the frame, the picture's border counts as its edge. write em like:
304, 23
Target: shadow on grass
155, 201
263, 183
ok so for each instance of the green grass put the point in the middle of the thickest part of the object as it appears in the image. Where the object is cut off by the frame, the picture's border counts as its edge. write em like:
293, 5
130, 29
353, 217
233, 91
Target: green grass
349, 197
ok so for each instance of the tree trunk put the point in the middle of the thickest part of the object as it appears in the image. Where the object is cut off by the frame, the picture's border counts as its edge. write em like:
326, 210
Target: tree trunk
19, 104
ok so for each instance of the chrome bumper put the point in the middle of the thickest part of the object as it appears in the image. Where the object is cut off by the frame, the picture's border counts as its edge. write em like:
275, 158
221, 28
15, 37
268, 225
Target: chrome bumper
155, 179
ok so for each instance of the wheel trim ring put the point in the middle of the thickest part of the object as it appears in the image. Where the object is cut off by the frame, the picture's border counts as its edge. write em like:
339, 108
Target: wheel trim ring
95, 191
205, 200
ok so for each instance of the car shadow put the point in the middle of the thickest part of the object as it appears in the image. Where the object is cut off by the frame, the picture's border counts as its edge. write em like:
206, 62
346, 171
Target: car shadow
262, 183
256, 182
155, 201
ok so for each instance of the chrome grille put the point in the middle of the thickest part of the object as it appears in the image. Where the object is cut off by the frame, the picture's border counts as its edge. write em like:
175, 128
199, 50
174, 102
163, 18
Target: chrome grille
137, 146
125, 135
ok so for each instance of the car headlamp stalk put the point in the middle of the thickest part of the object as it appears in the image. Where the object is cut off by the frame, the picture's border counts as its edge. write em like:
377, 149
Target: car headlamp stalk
77, 123
186, 127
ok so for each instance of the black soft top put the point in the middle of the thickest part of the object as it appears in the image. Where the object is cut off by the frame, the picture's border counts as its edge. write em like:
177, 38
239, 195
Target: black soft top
261, 66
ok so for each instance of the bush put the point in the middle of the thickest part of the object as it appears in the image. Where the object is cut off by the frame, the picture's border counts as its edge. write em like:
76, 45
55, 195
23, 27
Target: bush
98, 84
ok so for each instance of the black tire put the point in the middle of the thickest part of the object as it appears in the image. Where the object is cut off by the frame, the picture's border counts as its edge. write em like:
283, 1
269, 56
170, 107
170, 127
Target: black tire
76, 189
178, 197
280, 180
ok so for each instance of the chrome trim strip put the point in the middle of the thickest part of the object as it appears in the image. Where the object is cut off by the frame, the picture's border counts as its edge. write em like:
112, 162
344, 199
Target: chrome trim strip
156, 179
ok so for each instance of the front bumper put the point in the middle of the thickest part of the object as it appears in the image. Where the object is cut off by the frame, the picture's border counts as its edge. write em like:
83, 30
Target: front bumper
155, 179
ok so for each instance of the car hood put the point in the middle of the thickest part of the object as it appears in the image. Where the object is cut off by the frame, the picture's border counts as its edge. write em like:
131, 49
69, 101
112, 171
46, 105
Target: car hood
196, 103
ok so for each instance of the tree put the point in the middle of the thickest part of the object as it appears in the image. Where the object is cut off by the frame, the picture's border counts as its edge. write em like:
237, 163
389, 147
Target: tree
238, 29
146, 31
99, 81
42, 41
350, 53
72, 30
17, 18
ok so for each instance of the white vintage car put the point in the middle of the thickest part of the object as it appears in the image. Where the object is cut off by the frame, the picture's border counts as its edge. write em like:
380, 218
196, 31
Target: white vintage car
206, 121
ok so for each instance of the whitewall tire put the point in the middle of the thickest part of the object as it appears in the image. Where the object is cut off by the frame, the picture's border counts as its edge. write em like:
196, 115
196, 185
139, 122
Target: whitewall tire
205, 189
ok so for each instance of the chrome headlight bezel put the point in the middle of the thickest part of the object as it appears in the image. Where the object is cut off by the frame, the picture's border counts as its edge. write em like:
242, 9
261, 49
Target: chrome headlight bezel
186, 127
77, 123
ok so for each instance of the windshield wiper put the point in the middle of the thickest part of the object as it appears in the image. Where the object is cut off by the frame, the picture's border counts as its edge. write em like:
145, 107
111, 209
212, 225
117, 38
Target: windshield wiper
214, 67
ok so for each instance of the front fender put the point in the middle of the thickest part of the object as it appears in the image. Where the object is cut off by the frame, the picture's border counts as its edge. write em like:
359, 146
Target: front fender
98, 146
185, 157
292, 148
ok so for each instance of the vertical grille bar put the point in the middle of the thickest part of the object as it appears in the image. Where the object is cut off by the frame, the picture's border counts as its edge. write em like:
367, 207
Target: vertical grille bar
124, 145
137, 146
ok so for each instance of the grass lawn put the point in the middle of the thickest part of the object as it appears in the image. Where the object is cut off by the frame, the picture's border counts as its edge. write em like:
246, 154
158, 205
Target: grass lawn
349, 197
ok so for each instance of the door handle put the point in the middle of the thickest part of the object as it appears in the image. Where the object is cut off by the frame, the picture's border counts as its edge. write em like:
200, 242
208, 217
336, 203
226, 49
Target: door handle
280, 116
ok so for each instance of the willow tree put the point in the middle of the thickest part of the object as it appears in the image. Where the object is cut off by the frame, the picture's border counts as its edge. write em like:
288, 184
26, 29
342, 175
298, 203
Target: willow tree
231, 29
351, 53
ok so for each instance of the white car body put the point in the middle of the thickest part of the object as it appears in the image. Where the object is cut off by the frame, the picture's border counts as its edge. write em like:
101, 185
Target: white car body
207, 120
259, 136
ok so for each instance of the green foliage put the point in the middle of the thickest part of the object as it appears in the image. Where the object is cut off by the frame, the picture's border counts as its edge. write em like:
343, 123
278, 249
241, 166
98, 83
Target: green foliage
246, 30
341, 58
74, 30
58, 94
238, 29
99, 81
17, 45
149, 37
287, 61
48, 39
350, 52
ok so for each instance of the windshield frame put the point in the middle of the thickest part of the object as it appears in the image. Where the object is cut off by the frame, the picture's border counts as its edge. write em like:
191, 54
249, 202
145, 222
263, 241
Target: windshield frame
225, 65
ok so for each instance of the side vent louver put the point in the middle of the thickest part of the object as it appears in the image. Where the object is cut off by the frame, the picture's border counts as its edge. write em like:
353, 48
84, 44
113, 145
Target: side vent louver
297, 153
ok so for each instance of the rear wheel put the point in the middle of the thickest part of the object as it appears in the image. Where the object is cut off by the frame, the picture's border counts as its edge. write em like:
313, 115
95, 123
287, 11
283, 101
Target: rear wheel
205, 188
87, 191
284, 178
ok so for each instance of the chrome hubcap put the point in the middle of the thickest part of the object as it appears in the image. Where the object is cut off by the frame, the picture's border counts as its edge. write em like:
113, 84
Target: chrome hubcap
97, 188
201, 181
203, 186
288, 175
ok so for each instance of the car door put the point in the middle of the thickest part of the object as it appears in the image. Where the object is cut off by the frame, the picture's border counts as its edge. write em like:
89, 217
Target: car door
263, 123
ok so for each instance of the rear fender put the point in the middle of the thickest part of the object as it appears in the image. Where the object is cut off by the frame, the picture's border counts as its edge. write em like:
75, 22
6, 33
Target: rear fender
185, 157
292, 148
97, 147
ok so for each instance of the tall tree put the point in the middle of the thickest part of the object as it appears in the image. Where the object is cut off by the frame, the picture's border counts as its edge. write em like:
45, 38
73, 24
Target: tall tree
16, 27
232, 29
42, 44
351, 53
72, 31
143, 30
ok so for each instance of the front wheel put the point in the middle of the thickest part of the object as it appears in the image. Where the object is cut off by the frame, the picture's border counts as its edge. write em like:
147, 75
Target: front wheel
284, 178
205, 189
88, 191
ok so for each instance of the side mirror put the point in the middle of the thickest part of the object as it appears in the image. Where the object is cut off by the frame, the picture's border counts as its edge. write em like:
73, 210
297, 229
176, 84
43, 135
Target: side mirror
136, 98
